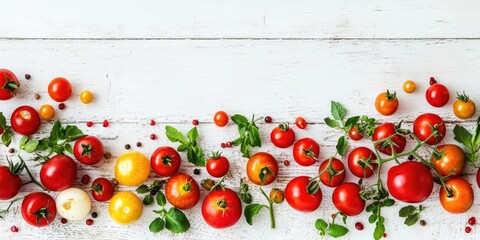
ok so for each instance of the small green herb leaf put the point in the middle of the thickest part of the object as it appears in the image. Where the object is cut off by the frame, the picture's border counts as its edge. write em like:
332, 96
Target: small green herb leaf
148, 199
251, 210
176, 221
142, 189
342, 145
331, 123
161, 199
174, 135
336, 230
157, 225
338, 111
406, 211
412, 219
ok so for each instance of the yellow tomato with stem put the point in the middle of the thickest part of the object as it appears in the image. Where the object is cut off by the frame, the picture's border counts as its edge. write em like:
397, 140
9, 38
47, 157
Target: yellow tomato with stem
464, 107
86, 97
132, 168
46, 112
125, 208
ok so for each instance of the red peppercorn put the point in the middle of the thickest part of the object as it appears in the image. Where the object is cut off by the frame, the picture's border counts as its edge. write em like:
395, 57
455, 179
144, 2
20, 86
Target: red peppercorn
333, 215
268, 119
63, 220
223, 145
385, 235
152, 122
472, 221
229, 144
61, 106
89, 222
14, 229
359, 226
468, 229
85, 179
286, 163
153, 136
89, 124
105, 123
195, 122
432, 80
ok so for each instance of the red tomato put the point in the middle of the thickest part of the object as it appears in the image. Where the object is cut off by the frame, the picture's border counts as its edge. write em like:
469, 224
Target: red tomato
58, 173
355, 134
182, 191
165, 161
462, 199
329, 178
387, 130
60, 89
305, 151
9, 84
437, 95
357, 160
386, 103
282, 136
347, 200
25, 120
217, 165
221, 208
262, 168
410, 182
88, 150
478, 177
452, 161
422, 128
299, 198
300, 122
220, 118
10, 183
38, 209
102, 189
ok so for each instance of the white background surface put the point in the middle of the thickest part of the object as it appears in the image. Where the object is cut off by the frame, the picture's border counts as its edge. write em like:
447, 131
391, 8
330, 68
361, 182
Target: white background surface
174, 61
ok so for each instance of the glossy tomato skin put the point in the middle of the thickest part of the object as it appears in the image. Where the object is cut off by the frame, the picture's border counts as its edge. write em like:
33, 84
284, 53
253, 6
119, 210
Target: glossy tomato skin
102, 189
282, 136
58, 173
38, 203
60, 89
132, 168
387, 130
410, 182
10, 183
46, 112
452, 161
462, 199
386, 103
422, 128
358, 154
220, 118
182, 191
25, 120
300, 122
165, 161
9, 84
88, 150
478, 178
437, 95
298, 198
409, 86
464, 107
125, 208
355, 134
259, 164
326, 178
221, 208
217, 166
347, 200
305, 151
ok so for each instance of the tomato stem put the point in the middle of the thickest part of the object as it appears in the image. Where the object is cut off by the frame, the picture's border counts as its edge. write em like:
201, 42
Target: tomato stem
5, 211
32, 179
270, 209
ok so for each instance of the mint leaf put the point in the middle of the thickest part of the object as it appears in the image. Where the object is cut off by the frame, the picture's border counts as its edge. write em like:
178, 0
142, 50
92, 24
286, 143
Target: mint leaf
161, 199
176, 221
352, 121
406, 211
174, 135
31, 145
148, 199
412, 219
338, 111
142, 189
331, 123
157, 225
251, 210
240, 120
193, 134
336, 230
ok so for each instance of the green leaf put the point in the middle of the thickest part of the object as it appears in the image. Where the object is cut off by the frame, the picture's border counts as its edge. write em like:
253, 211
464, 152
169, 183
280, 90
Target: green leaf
3, 121
31, 145
320, 224
68, 148
174, 135
372, 218
246, 197
251, 210
331, 123
142, 189
406, 211
42, 145
388, 202
157, 225
193, 134
7, 136
338, 111
176, 221
195, 156
336, 230
239, 120
342, 145
351, 122
412, 219
183, 147
255, 137
73, 133
379, 231
148, 199
161, 199
22, 142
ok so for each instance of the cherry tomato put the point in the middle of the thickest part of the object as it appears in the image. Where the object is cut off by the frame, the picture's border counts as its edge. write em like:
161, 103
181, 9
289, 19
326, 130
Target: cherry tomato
347, 200
86, 97
462, 199
354, 134
451, 162
305, 151
409, 86
182, 191
221, 208
478, 177
388, 130
386, 103
88, 150
220, 118
10, 182
60, 89
25, 120
464, 107
58, 173
262, 168
437, 95
132, 168
9, 84
422, 128
38, 209
333, 176
102, 189
282, 136
165, 161
46, 112
357, 162
276, 195
125, 208
217, 165
299, 198
410, 182
300, 122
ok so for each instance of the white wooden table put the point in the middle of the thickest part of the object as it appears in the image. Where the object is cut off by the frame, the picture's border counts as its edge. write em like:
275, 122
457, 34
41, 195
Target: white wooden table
175, 61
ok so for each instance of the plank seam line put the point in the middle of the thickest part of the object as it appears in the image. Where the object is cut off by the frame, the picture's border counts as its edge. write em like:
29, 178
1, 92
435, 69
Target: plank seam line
235, 39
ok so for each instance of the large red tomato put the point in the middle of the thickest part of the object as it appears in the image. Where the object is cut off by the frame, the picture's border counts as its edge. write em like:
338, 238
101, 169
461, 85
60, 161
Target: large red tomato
305, 151
88, 150
357, 162
25, 120
60, 89
9, 84
462, 199
410, 182
10, 182
387, 130
347, 200
328, 177
182, 191
423, 125
299, 198
437, 95
58, 173
165, 161
38, 209
262, 168
451, 162
221, 208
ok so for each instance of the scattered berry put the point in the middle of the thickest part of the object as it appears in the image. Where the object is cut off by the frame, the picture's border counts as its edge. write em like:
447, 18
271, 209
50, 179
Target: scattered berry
89, 124
196, 171
359, 226
11, 150
37, 96
114, 182
432, 80
333, 215
286, 163
61, 106
89, 222
152, 122
223, 145
107, 155
105, 123
63, 220
153, 136
127, 146
385, 235
229, 144
472, 221
139, 144
85, 179
468, 229
423, 223
94, 215
27, 76
153, 192
14, 229
268, 119
410, 157
195, 122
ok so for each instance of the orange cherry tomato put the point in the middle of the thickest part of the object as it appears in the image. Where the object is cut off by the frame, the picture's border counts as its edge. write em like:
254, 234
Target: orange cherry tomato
220, 118
60, 89
464, 107
262, 168
386, 103
451, 162
47, 112
409, 86
182, 191
461, 199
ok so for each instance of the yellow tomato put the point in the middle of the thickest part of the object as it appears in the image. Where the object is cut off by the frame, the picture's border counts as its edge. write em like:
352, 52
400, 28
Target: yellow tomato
125, 208
47, 112
409, 86
86, 96
464, 107
132, 168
